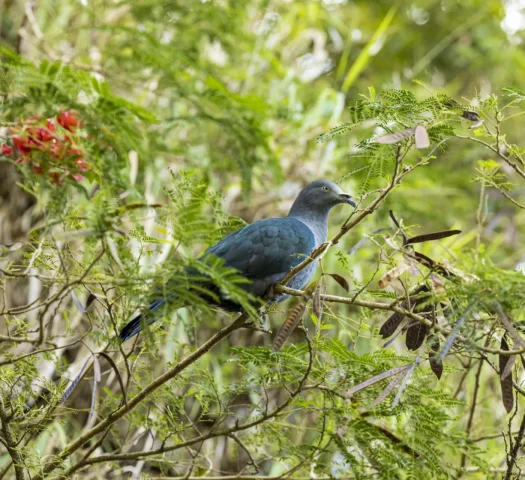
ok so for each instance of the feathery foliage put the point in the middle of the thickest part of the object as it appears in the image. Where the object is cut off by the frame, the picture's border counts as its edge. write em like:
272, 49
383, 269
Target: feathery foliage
136, 135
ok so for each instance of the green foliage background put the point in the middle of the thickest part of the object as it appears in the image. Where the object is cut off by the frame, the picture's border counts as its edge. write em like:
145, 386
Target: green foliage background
215, 113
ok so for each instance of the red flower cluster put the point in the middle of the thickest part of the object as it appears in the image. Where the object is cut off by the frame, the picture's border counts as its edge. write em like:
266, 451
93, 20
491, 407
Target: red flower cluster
50, 150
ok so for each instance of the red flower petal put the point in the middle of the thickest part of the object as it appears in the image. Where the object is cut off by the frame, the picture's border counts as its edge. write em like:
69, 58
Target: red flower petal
7, 150
21, 144
44, 135
68, 120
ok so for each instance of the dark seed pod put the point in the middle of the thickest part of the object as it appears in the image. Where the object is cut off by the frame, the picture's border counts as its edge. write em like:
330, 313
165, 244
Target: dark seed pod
340, 280
416, 336
506, 382
91, 298
451, 104
432, 236
432, 265
391, 325
435, 364
470, 115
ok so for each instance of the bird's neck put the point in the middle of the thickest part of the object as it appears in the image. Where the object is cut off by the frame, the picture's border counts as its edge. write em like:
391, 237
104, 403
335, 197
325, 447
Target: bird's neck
316, 221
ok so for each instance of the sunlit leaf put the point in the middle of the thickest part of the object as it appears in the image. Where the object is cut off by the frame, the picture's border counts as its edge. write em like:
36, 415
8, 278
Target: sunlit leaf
396, 137
421, 136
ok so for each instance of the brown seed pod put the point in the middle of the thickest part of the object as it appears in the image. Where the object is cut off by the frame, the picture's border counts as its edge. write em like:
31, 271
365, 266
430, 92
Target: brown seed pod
295, 315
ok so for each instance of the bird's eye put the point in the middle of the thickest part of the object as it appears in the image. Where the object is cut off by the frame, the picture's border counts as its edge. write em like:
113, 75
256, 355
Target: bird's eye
325, 188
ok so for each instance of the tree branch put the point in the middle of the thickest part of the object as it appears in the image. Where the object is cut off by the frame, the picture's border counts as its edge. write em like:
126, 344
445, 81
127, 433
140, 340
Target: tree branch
11, 443
393, 307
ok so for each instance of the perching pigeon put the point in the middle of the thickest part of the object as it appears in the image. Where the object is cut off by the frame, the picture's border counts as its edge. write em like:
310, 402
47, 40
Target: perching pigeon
266, 250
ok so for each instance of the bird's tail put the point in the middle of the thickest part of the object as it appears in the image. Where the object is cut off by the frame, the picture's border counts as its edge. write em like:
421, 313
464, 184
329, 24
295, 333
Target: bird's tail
142, 319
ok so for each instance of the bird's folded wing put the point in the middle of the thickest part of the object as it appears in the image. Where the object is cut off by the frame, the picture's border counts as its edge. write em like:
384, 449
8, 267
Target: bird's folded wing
266, 247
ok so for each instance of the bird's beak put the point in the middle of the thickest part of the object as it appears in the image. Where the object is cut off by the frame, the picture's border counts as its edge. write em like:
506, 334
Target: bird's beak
345, 198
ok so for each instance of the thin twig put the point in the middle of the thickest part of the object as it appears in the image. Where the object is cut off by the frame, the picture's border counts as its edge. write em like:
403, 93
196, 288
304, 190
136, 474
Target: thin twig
511, 459
472, 408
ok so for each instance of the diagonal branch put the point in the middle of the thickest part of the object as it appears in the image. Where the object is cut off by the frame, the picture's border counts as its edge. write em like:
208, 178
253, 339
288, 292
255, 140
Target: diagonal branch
144, 393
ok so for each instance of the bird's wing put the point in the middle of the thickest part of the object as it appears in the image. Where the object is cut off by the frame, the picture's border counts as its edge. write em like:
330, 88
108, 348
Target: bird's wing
266, 247
263, 251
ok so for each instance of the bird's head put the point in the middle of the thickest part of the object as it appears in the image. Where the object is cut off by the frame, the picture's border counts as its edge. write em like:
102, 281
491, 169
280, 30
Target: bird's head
322, 195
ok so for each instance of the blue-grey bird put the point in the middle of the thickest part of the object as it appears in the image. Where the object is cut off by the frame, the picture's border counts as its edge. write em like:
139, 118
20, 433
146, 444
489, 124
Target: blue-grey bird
265, 251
